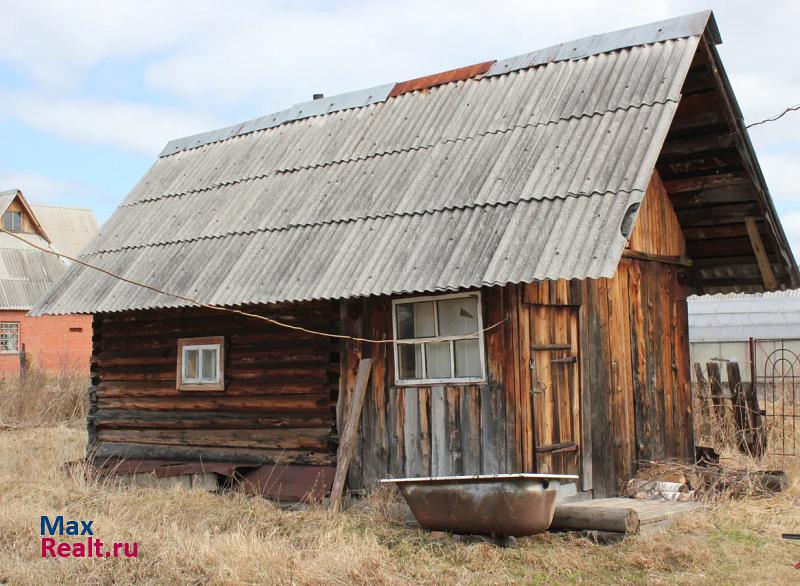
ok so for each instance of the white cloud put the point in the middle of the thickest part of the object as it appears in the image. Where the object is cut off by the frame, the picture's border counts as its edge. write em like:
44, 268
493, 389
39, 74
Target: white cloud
791, 225
55, 43
283, 56
782, 172
138, 127
39, 188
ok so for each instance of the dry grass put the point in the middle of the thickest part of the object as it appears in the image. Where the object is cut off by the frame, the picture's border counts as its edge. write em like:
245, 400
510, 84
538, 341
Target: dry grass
192, 537
43, 399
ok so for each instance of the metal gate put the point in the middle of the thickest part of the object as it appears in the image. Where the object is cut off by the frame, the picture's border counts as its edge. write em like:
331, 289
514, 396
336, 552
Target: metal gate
777, 376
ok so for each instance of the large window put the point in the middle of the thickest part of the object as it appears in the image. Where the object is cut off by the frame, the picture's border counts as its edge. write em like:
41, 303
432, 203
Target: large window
201, 364
12, 221
9, 337
439, 339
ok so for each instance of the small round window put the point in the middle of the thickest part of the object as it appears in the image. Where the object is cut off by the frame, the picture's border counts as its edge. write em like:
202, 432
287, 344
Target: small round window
627, 221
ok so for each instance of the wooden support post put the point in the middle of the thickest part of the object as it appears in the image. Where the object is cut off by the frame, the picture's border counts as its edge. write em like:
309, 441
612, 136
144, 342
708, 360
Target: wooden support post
767, 275
704, 396
715, 385
350, 433
740, 415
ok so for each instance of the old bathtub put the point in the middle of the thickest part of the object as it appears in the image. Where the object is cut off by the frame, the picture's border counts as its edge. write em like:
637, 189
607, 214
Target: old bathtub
496, 504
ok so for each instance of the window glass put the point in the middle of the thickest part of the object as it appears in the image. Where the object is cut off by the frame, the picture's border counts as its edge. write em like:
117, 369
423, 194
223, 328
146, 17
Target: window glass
437, 359
410, 361
9, 337
458, 316
415, 320
208, 365
191, 363
448, 331
12, 221
468, 358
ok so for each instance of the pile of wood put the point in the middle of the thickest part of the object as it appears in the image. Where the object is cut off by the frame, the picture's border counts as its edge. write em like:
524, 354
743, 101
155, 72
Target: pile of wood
679, 482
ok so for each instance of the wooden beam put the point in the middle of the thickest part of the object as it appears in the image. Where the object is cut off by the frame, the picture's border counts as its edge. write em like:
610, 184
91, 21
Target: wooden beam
670, 260
350, 433
767, 275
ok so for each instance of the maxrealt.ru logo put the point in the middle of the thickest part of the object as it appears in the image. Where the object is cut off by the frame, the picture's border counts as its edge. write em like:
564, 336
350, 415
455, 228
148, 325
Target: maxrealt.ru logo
89, 547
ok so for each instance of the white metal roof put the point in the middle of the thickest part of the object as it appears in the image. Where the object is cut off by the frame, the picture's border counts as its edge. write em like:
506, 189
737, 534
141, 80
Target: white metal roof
740, 316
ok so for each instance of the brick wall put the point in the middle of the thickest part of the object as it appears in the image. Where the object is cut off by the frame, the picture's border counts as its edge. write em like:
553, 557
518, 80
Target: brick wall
51, 342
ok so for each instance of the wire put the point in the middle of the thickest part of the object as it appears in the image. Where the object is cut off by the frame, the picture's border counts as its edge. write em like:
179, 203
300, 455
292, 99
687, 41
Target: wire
774, 118
269, 320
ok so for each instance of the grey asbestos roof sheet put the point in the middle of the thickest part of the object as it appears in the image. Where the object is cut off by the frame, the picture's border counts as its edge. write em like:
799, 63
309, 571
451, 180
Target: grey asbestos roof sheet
506, 178
740, 316
25, 273
6, 197
69, 229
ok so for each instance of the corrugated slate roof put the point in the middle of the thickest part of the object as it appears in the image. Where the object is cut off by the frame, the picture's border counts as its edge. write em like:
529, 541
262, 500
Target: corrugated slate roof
69, 229
6, 197
740, 316
513, 177
26, 273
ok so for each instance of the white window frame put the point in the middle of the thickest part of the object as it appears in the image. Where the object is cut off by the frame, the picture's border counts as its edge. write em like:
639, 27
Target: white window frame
16, 325
199, 344
434, 381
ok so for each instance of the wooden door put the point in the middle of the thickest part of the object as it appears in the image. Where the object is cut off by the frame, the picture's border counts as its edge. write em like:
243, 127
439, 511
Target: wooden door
555, 388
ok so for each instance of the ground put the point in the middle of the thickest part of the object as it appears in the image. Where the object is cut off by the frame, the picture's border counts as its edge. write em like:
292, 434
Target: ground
192, 537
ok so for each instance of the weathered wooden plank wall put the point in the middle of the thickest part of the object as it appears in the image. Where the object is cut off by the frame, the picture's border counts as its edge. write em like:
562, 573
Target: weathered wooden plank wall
429, 430
279, 394
632, 402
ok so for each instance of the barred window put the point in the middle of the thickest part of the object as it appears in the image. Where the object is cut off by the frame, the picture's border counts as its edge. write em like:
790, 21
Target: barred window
9, 337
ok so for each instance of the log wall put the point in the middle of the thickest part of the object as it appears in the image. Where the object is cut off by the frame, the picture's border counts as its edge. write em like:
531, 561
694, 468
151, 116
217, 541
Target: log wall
279, 398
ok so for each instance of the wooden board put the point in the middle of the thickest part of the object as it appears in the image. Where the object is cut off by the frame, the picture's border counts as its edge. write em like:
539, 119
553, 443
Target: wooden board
622, 515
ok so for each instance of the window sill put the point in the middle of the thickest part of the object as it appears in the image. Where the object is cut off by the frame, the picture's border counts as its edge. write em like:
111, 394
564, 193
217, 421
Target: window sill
460, 382
213, 387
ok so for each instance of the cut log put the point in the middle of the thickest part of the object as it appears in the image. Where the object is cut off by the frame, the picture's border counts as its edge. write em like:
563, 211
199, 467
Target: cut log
579, 517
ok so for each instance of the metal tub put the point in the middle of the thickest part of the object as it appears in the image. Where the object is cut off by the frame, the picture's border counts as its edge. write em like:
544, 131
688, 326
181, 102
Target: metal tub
496, 504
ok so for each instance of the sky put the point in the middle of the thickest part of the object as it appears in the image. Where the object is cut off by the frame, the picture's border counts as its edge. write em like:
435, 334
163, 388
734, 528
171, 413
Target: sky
91, 92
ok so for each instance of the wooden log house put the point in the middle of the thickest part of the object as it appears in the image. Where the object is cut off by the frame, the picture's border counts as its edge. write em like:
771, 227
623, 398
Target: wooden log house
523, 232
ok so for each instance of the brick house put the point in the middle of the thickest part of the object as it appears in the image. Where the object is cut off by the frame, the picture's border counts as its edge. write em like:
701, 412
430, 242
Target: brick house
51, 342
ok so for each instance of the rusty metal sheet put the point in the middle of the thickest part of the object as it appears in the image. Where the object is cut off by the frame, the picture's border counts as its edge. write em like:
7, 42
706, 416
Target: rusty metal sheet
429, 81
497, 504
289, 483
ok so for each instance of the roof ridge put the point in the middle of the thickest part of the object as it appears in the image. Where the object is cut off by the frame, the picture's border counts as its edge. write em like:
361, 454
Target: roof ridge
74, 208
687, 25
363, 217
396, 151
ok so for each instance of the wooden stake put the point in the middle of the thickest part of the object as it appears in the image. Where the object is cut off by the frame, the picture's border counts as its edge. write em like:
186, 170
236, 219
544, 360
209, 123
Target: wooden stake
770, 282
350, 433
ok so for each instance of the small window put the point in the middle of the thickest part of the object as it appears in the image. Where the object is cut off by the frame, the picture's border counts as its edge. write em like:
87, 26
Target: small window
439, 339
201, 364
9, 337
78, 330
12, 221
